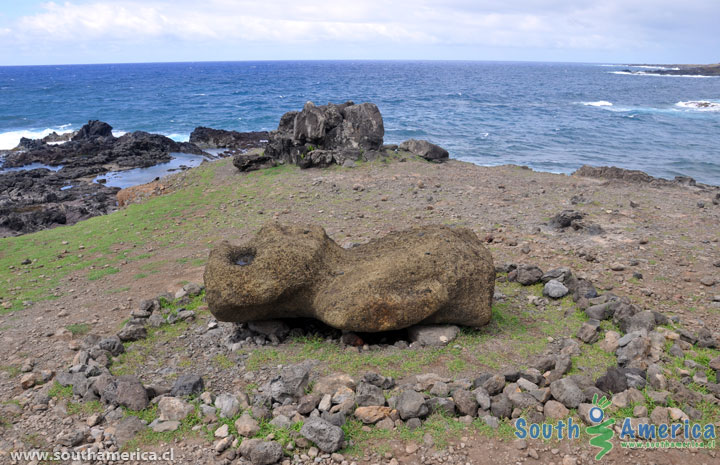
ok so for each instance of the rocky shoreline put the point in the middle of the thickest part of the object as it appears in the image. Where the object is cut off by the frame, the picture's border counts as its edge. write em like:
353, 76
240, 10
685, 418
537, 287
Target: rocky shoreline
62, 192
683, 70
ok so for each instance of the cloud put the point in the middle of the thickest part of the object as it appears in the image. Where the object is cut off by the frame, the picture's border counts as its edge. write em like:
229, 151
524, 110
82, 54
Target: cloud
528, 24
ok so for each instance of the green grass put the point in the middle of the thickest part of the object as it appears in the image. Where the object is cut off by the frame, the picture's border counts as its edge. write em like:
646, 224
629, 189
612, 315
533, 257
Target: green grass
78, 329
119, 290
85, 408
593, 361
149, 437
149, 414
517, 331
111, 239
74, 408
222, 361
60, 392
443, 429
94, 275
12, 370
157, 343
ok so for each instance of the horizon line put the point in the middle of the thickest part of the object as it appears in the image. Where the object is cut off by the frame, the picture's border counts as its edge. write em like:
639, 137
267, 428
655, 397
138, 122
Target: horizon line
344, 60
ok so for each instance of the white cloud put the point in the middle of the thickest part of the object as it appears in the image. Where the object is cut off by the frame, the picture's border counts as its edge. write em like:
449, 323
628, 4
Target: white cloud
527, 24
286, 21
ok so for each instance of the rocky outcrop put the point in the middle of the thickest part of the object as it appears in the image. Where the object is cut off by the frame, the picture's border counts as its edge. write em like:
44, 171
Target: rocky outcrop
632, 176
425, 149
94, 146
323, 135
252, 161
31, 200
39, 199
209, 138
93, 130
430, 274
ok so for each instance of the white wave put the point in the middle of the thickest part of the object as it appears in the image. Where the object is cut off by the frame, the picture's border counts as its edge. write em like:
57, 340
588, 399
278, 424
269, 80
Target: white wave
119, 133
701, 105
599, 103
10, 140
642, 73
178, 137
665, 68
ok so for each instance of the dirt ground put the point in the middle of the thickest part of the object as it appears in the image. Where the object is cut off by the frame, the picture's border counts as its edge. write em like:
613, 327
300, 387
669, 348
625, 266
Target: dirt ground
659, 246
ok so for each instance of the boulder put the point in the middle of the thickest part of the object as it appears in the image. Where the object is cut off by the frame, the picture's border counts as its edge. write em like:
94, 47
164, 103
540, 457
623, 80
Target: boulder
252, 161
555, 289
290, 384
92, 130
567, 392
246, 425
425, 149
125, 391
132, 332
429, 275
554, 410
372, 414
528, 275
442, 405
187, 385
368, 395
127, 428
327, 134
589, 332
328, 385
411, 404
174, 409
324, 434
228, 405
465, 402
259, 452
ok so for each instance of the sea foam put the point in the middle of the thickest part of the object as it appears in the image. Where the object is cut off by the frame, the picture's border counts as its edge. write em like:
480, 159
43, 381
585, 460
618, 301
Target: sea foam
643, 73
10, 140
599, 103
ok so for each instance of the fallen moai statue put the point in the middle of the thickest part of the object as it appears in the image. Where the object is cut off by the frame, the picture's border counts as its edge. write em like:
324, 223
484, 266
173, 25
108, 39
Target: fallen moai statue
428, 275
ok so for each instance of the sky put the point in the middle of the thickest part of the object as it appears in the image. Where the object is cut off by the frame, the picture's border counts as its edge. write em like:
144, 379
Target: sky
613, 31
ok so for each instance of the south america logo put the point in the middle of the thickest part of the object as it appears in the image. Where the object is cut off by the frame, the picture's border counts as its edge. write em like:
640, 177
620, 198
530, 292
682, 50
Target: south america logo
601, 432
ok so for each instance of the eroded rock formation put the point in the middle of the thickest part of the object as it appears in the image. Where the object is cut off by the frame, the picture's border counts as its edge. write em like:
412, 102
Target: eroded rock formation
327, 134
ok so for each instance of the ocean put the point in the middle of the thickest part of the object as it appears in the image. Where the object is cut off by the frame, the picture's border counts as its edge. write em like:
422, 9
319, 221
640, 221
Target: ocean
548, 116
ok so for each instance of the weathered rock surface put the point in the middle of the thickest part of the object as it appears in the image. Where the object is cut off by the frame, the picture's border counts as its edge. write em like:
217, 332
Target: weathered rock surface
425, 149
324, 434
327, 134
209, 138
426, 275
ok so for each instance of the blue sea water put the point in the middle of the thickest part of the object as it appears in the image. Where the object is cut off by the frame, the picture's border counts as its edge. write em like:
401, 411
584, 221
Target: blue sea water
549, 116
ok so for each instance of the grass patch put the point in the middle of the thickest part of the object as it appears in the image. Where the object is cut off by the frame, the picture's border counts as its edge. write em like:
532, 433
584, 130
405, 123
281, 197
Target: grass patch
94, 275
12, 370
97, 246
118, 290
149, 437
60, 392
78, 329
85, 408
222, 361
157, 343
443, 429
